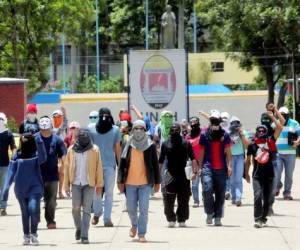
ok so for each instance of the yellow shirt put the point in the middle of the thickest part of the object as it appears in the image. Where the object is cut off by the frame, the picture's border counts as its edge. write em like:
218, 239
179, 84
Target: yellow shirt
137, 169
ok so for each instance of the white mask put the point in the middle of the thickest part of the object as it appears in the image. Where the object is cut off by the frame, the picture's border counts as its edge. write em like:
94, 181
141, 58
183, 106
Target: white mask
45, 123
2, 126
31, 117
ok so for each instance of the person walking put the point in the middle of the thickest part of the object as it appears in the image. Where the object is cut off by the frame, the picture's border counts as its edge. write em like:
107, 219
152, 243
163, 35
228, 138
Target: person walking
260, 154
25, 171
137, 173
55, 150
7, 142
31, 123
83, 175
107, 137
239, 144
93, 119
72, 134
215, 167
176, 185
287, 143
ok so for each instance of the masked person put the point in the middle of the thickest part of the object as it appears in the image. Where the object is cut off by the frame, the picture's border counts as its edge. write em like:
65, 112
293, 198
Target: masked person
107, 137
162, 130
72, 134
7, 142
260, 153
176, 185
225, 117
55, 151
85, 175
25, 171
194, 138
238, 147
138, 172
93, 119
288, 141
215, 167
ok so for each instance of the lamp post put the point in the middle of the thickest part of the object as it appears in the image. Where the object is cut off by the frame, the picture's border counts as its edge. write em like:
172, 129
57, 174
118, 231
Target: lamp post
146, 24
97, 49
195, 28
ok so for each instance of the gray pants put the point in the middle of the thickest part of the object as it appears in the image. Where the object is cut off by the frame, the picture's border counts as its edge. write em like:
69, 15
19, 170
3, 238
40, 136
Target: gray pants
82, 196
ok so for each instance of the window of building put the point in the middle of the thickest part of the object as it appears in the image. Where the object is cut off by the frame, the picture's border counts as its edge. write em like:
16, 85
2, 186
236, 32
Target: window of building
217, 66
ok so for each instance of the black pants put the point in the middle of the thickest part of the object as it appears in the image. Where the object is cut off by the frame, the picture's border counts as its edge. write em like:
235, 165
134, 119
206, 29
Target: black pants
50, 192
181, 190
262, 188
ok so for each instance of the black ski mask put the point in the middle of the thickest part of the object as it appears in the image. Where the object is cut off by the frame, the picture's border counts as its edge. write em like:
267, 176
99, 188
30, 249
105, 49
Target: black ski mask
83, 142
266, 120
286, 117
175, 136
105, 121
215, 132
195, 127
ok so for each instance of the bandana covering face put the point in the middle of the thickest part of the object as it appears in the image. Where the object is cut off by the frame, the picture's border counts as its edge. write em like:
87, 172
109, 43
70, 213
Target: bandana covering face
31, 117
58, 121
45, 123
105, 121
83, 142
175, 136
166, 120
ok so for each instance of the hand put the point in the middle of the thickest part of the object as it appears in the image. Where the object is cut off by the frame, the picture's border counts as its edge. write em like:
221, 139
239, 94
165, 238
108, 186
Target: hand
229, 171
63, 110
201, 172
247, 177
156, 188
99, 190
295, 144
270, 114
194, 176
132, 107
121, 187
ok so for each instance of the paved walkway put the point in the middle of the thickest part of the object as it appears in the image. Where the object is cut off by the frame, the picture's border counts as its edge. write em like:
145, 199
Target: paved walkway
237, 233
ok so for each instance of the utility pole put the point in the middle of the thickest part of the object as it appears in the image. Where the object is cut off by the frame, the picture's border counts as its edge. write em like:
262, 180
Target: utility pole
97, 49
146, 24
195, 28
181, 24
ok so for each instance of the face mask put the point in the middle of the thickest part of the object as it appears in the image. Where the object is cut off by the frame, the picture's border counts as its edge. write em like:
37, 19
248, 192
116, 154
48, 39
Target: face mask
195, 130
215, 122
31, 117
57, 121
93, 119
104, 124
45, 123
138, 134
286, 117
2, 126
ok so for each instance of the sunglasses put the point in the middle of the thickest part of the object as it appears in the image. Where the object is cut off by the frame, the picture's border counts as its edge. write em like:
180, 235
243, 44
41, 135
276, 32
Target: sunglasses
261, 131
140, 129
1, 119
93, 117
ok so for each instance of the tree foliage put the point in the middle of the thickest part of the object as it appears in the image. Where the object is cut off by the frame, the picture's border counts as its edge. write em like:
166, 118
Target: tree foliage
266, 32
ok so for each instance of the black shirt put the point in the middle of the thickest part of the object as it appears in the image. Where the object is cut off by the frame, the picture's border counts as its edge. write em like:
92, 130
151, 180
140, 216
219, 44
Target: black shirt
261, 170
176, 156
6, 141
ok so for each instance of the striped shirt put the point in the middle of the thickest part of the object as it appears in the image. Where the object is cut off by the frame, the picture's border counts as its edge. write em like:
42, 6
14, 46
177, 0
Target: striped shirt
282, 141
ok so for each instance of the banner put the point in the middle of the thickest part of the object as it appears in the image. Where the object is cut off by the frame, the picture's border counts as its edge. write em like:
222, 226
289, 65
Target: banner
157, 80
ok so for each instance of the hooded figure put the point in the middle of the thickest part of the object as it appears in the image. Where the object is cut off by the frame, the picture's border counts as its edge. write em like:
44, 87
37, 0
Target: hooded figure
234, 129
166, 121
225, 117
3, 123
215, 131
266, 120
83, 142
105, 121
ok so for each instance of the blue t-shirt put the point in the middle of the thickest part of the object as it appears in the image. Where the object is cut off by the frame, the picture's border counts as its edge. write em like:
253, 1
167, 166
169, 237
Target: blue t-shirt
237, 148
106, 143
55, 149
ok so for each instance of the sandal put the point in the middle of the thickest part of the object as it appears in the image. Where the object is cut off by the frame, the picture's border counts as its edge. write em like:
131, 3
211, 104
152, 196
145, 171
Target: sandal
132, 232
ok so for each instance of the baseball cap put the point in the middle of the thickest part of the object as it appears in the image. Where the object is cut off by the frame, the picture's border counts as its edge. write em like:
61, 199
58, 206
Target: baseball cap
284, 110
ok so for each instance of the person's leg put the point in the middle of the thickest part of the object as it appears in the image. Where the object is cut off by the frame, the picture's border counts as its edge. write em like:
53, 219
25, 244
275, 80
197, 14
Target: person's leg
289, 166
195, 189
233, 178
87, 201
77, 194
3, 173
207, 191
132, 204
258, 196
97, 204
169, 203
50, 201
267, 184
278, 173
109, 182
61, 179
239, 172
219, 178
25, 215
183, 198
143, 193
34, 212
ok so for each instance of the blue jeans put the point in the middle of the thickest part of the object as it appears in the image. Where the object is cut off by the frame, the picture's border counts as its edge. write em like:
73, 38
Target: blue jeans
82, 196
3, 173
286, 161
236, 179
195, 188
213, 190
138, 197
30, 210
109, 184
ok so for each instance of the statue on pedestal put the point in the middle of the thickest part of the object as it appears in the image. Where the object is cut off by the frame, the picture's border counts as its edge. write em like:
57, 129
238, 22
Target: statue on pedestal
168, 29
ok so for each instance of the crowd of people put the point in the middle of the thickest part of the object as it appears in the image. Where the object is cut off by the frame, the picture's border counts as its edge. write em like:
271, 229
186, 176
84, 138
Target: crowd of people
57, 158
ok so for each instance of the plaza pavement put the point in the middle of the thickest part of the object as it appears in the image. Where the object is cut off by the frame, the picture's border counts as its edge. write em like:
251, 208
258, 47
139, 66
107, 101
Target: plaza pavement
237, 231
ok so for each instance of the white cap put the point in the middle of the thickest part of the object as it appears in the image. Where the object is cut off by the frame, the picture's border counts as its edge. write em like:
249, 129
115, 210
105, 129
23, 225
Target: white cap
94, 113
225, 116
234, 119
284, 110
215, 114
57, 112
3, 117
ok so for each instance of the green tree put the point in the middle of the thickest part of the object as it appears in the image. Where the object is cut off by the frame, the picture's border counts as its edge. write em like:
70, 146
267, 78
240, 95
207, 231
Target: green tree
265, 32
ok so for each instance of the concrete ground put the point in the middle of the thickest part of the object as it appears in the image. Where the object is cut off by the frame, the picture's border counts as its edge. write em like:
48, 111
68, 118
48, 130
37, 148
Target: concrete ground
237, 232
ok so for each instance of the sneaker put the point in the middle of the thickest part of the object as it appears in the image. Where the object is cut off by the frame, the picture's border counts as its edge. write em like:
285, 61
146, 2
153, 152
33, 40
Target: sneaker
227, 196
288, 198
51, 226
3, 212
85, 240
182, 224
196, 204
132, 232
108, 224
95, 220
78, 234
271, 211
172, 224
233, 202
238, 203
26, 240
218, 222
264, 224
258, 224
34, 240
209, 219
